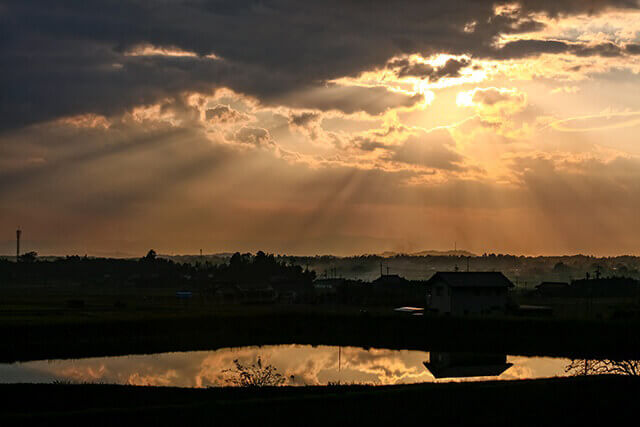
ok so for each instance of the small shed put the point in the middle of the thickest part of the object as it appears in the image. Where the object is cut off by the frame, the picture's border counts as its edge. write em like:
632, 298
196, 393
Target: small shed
553, 289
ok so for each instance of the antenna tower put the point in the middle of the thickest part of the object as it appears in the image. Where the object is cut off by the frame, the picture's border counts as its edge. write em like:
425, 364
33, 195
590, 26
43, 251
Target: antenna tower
18, 234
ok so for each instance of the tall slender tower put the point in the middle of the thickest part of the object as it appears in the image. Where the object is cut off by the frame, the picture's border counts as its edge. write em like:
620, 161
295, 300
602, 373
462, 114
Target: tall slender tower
18, 234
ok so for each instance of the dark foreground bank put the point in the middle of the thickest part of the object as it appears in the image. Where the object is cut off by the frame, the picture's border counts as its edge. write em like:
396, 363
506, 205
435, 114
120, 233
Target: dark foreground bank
573, 401
88, 334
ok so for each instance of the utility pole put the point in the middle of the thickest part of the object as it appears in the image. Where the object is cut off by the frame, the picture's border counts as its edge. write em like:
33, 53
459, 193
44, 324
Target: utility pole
18, 234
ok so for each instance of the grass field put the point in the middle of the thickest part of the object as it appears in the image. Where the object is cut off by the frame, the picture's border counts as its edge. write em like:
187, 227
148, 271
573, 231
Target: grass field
603, 400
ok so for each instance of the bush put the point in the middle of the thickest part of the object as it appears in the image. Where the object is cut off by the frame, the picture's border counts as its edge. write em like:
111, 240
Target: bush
254, 375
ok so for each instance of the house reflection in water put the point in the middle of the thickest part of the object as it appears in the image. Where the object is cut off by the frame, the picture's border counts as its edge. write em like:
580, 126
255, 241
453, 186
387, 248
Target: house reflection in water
456, 365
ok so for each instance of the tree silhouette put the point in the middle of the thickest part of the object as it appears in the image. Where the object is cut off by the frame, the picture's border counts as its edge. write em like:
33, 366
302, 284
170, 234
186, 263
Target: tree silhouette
150, 256
28, 257
579, 367
254, 375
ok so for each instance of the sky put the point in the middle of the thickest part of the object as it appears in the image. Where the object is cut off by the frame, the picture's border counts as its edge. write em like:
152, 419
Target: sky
299, 127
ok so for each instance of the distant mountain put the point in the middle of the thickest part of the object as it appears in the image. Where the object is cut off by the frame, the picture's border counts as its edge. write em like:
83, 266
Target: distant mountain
459, 252
218, 258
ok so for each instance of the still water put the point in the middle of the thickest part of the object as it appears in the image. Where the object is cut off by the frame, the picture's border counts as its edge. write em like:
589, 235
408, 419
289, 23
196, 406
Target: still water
298, 365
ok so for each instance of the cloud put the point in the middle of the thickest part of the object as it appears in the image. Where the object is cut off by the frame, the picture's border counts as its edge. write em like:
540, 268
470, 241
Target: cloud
565, 89
307, 123
257, 137
225, 114
406, 68
103, 61
598, 49
493, 96
563, 7
399, 147
433, 149
527, 47
493, 104
632, 48
523, 48
350, 99
607, 120
303, 119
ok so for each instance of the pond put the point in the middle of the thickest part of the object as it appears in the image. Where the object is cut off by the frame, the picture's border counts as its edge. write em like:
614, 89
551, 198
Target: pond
295, 364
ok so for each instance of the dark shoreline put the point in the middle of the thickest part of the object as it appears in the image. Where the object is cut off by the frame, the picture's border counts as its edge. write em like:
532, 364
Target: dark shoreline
572, 401
94, 336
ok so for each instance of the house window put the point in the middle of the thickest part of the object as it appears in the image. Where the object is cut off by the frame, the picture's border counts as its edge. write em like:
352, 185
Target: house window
439, 291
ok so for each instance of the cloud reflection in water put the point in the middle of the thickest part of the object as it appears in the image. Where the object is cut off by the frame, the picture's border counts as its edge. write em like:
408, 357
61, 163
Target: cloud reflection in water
299, 364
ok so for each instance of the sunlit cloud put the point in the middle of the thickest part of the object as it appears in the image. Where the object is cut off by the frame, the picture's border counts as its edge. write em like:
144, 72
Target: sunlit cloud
450, 113
565, 89
598, 122
85, 121
493, 105
147, 49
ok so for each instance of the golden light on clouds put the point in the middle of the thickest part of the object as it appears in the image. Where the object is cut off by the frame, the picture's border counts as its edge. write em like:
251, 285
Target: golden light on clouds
147, 49
413, 132
607, 120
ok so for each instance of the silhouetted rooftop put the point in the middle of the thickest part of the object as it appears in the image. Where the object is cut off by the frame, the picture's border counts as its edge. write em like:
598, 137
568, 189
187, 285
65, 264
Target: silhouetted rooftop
549, 285
482, 279
390, 279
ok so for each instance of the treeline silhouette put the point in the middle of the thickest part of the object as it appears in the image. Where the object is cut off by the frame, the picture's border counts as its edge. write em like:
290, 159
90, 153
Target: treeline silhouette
523, 271
601, 287
152, 271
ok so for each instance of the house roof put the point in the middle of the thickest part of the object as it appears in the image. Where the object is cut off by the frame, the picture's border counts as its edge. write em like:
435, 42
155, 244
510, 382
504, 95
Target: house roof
390, 279
466, 279
553, 285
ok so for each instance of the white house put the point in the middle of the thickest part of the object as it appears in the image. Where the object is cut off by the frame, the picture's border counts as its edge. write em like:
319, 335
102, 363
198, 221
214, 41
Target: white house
467, 292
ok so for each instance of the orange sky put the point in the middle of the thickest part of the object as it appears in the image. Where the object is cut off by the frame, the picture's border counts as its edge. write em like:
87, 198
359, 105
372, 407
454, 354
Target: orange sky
516, 133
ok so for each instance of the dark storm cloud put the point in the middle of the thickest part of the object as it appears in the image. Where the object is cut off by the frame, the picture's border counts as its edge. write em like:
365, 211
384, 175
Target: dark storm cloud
560, 7
70, 57
367, 144
601, 49
303, 119
349, 99
524, 48
633, 49
405, 68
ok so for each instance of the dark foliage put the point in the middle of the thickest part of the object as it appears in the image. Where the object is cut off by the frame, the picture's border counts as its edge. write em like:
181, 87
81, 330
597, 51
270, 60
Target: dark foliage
152, 271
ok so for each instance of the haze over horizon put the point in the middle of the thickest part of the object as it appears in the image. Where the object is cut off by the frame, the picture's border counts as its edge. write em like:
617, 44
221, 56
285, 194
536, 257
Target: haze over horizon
320, 128
435, 252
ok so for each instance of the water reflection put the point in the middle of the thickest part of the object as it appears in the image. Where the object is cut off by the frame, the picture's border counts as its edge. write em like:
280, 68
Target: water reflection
458, 365
602, 367
298, 364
